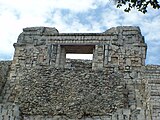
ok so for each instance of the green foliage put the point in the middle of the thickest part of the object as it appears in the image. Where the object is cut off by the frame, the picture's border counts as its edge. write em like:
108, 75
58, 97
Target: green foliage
140, 5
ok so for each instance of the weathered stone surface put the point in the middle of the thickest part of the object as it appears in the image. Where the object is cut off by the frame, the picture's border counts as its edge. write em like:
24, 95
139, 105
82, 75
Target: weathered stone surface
9, 111
45, 90
4, 69
115, 85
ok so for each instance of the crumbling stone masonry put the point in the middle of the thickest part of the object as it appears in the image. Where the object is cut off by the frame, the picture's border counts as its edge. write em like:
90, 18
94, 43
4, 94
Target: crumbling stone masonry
41, 84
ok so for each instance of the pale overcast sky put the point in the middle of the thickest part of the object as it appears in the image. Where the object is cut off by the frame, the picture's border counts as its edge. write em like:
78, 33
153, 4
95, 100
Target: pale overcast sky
74, 16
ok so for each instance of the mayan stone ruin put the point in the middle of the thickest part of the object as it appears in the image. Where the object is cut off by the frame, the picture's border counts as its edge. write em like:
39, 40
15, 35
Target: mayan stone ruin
40, 83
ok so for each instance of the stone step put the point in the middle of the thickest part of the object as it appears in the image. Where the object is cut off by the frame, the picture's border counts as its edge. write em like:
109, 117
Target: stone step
156, 106
155, 81
152, 72
153, 93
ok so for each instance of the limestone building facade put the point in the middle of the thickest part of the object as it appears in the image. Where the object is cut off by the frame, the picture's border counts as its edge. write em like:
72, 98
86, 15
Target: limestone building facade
41, 84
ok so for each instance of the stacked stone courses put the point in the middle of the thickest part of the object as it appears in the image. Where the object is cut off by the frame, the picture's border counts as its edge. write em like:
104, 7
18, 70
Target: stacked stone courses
4, 71
40, 83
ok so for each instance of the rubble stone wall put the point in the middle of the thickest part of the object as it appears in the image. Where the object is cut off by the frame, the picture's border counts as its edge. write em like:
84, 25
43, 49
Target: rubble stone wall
45, 90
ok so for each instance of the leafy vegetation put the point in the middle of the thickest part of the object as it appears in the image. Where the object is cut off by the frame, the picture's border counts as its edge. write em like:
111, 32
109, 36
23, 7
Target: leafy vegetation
140, 5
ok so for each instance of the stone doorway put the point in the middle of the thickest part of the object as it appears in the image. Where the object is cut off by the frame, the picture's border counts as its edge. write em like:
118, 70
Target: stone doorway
64, 50
96, 50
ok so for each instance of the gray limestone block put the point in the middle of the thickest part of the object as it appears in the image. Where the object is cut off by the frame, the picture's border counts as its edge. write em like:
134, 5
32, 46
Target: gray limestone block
88, 118
12, 118
106, 118
96, 118
4, 111
56, 118
41, 29
1, 116
6, 117
116, 30
39, 117
16, 111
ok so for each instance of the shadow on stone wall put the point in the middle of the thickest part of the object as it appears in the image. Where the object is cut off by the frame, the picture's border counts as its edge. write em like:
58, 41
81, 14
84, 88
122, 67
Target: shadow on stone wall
4, 69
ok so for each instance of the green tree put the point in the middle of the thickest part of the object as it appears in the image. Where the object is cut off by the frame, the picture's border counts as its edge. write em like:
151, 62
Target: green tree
140, 5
